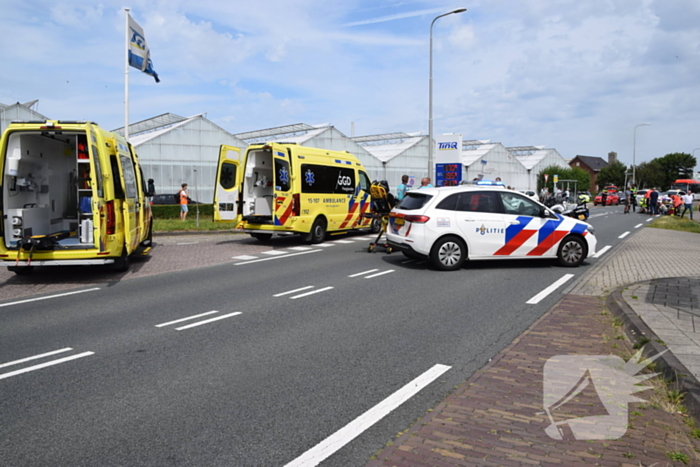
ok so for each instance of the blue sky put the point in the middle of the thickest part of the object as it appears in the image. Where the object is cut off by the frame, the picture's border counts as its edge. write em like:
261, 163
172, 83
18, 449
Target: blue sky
572, 75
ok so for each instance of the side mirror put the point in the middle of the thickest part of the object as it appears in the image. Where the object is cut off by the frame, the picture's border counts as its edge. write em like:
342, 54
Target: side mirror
558, 209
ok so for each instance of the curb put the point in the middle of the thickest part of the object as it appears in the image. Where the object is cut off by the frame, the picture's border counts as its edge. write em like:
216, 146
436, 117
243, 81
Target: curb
194, 232
668, 365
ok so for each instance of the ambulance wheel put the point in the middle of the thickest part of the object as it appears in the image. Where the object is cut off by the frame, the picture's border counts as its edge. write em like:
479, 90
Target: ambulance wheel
448, 253
21, 270
121, 264
261, 237
571, 252
318, 231
375, 225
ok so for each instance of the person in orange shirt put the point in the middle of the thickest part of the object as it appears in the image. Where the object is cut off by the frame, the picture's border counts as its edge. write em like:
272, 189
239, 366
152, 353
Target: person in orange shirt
677, 202
184, 198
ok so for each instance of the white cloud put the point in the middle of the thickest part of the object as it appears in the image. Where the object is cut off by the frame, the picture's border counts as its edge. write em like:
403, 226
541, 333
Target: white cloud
577, 76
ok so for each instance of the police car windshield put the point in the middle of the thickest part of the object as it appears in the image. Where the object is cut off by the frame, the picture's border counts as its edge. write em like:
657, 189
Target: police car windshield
414, 200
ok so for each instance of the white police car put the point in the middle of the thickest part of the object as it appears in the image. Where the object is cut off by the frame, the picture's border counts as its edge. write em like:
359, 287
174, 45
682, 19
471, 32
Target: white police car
452, 224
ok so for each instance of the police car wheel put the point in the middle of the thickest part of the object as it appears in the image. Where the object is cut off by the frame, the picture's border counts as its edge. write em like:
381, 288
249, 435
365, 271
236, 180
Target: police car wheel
448, 253
571, 252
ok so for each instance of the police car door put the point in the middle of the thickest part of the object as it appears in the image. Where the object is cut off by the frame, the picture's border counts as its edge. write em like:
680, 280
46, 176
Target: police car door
531, 230
479, 216
227, 185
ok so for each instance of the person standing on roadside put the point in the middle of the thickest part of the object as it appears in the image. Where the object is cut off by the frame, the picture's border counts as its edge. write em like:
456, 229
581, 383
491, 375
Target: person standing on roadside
653, 199
184, 198
628, 200
402, 188
688, 204
425, 183
604, 198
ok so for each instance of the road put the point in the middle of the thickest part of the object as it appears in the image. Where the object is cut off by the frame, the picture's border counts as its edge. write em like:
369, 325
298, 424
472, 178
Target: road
260, 359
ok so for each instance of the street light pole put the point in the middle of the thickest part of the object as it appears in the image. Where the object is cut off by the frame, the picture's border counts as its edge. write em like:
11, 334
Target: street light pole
634, 153
430, 94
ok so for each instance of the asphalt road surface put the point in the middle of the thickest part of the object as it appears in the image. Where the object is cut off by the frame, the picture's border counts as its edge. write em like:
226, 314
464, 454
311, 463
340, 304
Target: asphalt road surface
266, 355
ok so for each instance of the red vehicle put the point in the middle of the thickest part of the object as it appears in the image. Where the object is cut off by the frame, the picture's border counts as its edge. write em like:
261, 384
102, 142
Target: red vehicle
687, 185
611, 197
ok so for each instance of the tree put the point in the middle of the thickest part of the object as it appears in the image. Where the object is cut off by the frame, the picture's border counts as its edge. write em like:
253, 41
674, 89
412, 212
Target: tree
613, 174
674, 166
583, 180
649, 174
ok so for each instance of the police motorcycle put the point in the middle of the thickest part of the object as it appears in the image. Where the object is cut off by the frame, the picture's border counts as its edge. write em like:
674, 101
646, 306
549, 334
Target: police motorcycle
577, 211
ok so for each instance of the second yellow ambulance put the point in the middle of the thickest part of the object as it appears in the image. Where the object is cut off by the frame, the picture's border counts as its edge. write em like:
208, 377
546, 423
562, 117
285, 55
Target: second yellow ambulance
284, 189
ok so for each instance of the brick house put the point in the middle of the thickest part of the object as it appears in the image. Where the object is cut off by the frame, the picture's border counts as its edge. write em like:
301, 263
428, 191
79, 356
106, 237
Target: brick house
592, 165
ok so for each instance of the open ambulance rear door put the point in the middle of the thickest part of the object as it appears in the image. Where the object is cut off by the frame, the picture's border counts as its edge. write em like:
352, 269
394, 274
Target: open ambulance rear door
227, 188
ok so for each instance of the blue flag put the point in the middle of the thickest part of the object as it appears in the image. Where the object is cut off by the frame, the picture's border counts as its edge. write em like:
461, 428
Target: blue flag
139, 54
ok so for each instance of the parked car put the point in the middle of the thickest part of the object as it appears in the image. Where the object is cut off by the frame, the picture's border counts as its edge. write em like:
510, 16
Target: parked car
611, 198
450, 225
170, 199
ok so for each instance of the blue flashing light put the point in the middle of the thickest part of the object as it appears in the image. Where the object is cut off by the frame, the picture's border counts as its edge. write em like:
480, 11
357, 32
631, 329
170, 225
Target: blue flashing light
489, 183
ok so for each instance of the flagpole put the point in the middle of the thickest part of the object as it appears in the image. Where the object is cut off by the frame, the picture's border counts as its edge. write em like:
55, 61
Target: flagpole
126, 78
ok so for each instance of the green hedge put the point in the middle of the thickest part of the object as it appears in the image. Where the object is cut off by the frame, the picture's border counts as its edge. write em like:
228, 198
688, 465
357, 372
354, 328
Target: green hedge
172, 211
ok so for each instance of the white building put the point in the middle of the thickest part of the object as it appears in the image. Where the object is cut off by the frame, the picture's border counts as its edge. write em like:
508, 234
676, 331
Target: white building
489, 161
174, 150
399, 154
17, 111
316, 136
535, 159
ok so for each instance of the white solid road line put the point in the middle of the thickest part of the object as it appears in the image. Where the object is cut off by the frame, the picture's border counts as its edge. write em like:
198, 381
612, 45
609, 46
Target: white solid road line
207, 321
352, 430
602, 251
538, 298
310, 293
363, 273
244, 257
638, 226
380, 274
624, 234
44, 365
186, 319
300, 248
325, 245
294, 291
35, 357
274, 252
50, 296
343, 241
277, 257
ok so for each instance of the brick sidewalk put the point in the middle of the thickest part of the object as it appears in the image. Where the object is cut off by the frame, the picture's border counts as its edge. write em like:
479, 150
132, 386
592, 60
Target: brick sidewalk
496, 417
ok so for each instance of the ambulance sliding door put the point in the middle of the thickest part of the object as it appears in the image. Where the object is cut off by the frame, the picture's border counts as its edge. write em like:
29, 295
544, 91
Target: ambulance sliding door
227, 186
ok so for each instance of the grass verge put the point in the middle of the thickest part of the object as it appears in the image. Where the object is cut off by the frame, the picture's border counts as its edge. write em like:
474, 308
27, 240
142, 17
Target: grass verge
675, 223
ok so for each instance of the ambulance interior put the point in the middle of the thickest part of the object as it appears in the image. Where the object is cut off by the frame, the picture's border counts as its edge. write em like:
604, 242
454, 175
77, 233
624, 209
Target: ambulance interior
46, 189
258, 189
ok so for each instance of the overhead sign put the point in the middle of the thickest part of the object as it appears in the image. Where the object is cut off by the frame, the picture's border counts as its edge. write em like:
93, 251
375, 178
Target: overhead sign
449, 149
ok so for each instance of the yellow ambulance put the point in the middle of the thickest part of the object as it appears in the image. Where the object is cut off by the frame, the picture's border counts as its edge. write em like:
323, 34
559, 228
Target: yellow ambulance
72, 194
285, 189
